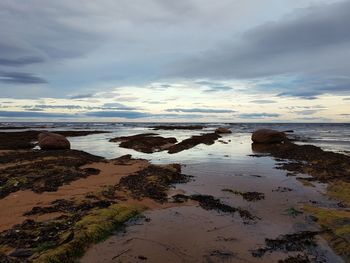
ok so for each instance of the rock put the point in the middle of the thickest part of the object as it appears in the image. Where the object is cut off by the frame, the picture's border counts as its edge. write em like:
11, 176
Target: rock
268, 136
53, 141
222, 130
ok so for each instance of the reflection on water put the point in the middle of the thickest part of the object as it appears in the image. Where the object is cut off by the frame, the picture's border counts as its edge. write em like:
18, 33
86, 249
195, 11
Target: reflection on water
191, 234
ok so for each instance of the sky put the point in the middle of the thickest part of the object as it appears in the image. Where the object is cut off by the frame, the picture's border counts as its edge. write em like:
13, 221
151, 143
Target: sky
184, 60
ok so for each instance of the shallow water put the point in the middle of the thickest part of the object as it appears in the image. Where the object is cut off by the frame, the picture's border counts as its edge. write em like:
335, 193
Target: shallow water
191, 234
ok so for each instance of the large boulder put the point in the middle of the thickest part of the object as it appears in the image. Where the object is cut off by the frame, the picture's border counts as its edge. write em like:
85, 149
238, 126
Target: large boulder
222, 130
53, 141
268, 136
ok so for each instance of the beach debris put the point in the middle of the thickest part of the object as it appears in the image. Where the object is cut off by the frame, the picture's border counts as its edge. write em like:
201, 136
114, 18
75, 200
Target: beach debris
146, 142
53, 141
249, 196
296, 242
268, 136
206, 138
223, 130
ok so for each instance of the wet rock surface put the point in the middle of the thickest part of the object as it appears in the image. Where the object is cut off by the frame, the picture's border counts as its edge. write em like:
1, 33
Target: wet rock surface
207, 138
146, 142
152, 142
53, 141
268, 136
42, 170
152, 182
26, 139
308, 159
223, 130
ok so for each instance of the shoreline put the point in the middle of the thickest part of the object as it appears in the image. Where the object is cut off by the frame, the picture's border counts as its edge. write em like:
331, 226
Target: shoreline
103, 191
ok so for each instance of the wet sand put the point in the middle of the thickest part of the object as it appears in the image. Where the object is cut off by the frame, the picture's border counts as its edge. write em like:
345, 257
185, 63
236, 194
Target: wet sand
16, 204
191, 234
188, 232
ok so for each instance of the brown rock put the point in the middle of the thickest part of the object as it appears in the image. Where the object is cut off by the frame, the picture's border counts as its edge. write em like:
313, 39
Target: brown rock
268, 136
222, 130
53, 141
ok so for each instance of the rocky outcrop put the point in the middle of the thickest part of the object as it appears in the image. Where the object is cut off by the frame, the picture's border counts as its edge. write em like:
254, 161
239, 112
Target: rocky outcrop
223, 130
268, 136
53, 141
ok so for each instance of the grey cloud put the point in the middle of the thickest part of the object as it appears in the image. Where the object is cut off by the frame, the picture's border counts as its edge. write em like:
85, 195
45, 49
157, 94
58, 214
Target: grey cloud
200, 110
306, 112
258, 115
45, 106
33, 114
346, 98
263, 101
218, 89
302, 95
20, 61
312, 43
81, 96
20, 78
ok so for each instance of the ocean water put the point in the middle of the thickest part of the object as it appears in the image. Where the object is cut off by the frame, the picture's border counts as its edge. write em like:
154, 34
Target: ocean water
328, 136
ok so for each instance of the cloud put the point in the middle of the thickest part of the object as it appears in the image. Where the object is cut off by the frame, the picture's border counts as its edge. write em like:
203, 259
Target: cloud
139, 115
346, 98
200, 110
20, 61
45, 106
311, 43
81, 96
119, 106
263, 101
33, 114
258, 115
307, 95
218, 89
119, 114
306, 112
20, 78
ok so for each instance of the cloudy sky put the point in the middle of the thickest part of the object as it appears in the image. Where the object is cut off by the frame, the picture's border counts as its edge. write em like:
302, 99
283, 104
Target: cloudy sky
165, 60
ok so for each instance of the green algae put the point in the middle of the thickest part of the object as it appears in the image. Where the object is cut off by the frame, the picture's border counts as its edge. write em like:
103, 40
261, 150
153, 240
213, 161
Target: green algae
90, 229
340, 190
337, 224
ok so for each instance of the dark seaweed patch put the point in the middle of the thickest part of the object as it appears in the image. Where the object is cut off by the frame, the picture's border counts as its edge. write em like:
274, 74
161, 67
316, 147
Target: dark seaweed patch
299, 241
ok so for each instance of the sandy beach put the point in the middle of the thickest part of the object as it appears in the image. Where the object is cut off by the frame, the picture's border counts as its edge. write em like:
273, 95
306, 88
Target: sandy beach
182, 194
